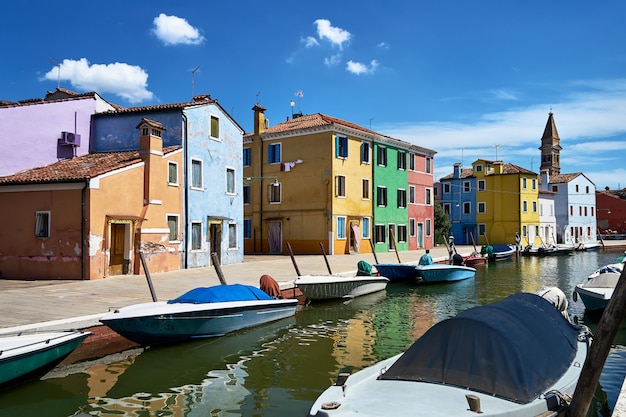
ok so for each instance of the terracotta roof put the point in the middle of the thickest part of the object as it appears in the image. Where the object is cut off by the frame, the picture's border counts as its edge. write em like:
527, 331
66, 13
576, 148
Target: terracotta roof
78, 168
465, 173
562, 178
514, 169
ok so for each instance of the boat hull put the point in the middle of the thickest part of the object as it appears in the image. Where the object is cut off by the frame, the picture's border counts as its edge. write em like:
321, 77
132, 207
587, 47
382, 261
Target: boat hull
328, 287
474, 260
397, 272
444, 273
28, 357
160, 322
594, 299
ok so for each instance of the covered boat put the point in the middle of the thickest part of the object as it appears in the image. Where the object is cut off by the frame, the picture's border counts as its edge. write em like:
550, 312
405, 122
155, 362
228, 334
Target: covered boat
498, 252
397, 272
444, 273
519, 356
201, 312
28, 357
328, 287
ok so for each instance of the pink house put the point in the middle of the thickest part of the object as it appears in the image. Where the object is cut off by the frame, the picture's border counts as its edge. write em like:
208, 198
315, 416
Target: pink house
421, 198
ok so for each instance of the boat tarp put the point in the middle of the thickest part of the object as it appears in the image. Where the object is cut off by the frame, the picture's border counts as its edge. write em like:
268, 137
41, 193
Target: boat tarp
604, 280
501, 247
221, 293
514, 349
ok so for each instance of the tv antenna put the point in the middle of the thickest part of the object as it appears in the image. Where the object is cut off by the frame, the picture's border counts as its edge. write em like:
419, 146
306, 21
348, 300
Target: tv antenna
193, 76
56, 64
257, 98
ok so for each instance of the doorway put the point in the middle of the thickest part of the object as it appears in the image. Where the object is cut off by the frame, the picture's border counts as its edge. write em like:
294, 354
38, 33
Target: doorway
215, 241
355, 236
275, 237
118, 265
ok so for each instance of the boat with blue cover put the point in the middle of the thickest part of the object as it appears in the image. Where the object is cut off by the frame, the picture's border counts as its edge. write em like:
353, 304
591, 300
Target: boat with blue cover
444, 273
199, 313
397, 272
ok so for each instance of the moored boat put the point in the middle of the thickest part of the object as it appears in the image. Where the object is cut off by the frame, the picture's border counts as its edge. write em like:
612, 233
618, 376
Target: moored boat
199, 313
498, 252
28, 357
474, 259
444, 273
598, 289
397, 272
328, 287
472, 363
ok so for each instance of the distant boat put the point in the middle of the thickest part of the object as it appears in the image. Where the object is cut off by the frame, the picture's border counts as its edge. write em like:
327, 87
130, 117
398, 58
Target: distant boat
28, 357
597, 290
397, 272
444, 273
474, 259
199, 313
328, 287
499, 252
515, 357
550, 250
588, 246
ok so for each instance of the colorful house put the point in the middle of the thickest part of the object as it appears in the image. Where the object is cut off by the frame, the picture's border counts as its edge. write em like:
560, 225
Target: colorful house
547, 218
458, 200
421, 196
63, 126
90, 216
611, 212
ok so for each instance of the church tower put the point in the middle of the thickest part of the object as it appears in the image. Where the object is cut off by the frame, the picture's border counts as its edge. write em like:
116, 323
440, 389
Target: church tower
550, 148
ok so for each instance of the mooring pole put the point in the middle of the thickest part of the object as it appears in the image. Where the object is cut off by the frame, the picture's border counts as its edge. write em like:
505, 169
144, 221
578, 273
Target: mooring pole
373, 250
293, 259
325, 259
145, 270
218, 268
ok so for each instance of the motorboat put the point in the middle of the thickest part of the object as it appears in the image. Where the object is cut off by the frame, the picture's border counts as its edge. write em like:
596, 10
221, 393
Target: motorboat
597, 290
519, 356
548, 250
474, 259
328, 287
498, 252
397, 272
27, 357
199, 313
444, 272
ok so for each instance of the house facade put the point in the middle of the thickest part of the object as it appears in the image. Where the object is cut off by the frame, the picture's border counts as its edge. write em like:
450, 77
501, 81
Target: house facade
547, 218
458, 200
421, 198
611, 212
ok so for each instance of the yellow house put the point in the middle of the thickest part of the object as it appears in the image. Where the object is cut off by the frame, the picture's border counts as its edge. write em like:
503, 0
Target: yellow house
307, 182
507, 202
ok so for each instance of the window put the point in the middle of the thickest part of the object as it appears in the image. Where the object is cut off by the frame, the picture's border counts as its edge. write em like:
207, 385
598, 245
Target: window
365, 189
428, 196
230, 181
482, 185
196, 174
401, 198
340, 186
196, 235
215, 127
172, 173
381, 156
587, 189
273, 153
412, 227
232, 236
534, 206
482, 229
341, 146
576, 187
446, 188
247, 228
274, 193
341, 227
401, 160
467, 186
381, 196
555, 188
172, 223
246, 194
401, 233
524, 233
446, 208
479, 168
525, 206
365, 152
42, 224
412, 161
534, 183
524, 186
365, 227
247, 157
411, 194
428, 164
428, 227
380, 233
467, 207
482, 207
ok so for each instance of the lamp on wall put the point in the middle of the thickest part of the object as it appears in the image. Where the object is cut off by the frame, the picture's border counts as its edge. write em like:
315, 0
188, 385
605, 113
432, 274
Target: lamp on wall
248, 180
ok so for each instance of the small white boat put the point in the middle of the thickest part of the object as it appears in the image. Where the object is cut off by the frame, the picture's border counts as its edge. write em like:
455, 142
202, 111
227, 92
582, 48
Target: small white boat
201, 312
328, 287
28, 357
596, 292
472, 364
444, 272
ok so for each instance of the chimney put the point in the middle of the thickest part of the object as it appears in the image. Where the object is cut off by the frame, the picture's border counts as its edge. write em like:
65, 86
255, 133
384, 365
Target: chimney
259, 120
151, 152
457, 171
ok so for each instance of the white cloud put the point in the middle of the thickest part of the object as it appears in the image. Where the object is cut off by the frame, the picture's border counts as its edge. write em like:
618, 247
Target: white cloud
123, 80
309, 41
332, 60
359, 68
336, 36
384, 46
173, 30
502, 95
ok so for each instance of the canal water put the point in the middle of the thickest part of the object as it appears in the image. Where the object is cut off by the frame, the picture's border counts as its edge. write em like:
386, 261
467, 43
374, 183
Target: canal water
279, 369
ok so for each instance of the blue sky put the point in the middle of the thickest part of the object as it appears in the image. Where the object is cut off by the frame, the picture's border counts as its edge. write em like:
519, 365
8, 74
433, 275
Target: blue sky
468, 79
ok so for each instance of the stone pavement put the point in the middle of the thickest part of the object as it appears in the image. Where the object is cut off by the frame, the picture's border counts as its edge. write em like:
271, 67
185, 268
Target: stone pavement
67, 304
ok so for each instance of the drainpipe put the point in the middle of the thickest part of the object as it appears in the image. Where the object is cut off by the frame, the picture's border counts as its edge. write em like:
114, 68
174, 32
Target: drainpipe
82, 230
185, 190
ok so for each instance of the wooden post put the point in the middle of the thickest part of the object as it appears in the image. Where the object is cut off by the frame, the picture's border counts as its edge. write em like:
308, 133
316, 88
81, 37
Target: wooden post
145, 270
395, 246
325, 259
218, 269
608, 326
373, 250
293, 259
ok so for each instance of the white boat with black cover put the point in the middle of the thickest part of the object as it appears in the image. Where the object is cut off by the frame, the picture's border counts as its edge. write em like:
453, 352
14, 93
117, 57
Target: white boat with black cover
516, 357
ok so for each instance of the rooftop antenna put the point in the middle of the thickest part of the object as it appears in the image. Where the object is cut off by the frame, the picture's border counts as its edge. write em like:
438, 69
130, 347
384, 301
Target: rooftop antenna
193, 76
56, 64
299, 94
257, 98
496, 146
371, 118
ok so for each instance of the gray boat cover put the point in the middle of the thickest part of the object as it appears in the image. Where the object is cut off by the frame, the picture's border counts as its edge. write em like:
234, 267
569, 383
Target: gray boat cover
514, 349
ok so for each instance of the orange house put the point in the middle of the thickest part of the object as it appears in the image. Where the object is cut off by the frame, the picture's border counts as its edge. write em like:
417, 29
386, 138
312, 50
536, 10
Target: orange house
91, 216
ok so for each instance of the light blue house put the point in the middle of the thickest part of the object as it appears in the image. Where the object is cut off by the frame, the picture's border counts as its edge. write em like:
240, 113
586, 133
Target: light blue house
212, 218
458, 200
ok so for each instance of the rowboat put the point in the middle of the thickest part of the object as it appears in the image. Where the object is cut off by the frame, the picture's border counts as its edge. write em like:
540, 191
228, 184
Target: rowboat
328, 287
28, 357
199, 313
444, 273
472, 364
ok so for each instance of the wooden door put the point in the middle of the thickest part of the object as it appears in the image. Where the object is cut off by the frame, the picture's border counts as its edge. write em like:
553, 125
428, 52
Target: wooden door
116, 264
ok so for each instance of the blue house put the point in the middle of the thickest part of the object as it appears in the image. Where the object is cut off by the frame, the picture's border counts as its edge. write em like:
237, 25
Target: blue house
212, 219
458, 200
